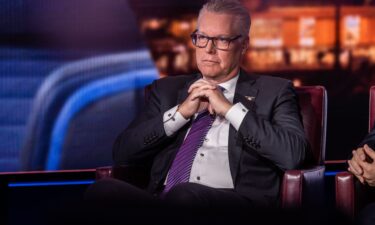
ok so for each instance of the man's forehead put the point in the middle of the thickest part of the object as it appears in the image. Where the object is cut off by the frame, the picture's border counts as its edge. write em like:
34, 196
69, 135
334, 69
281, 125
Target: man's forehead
217, 24
215, 16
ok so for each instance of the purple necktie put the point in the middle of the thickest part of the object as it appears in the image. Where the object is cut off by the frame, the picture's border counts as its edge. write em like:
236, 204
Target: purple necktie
181, 166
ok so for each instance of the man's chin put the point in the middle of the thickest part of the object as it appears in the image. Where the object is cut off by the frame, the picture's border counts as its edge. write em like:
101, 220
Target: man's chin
210, 74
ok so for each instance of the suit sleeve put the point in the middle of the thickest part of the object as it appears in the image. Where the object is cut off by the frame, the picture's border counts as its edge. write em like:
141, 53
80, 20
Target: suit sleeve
369, 140
145, 135
280, 139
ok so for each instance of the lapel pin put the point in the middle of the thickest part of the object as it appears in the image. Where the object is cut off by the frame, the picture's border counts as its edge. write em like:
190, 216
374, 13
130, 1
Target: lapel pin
250, 98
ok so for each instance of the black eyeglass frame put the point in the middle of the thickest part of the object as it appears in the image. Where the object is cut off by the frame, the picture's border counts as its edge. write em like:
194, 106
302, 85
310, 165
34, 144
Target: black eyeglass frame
213, 40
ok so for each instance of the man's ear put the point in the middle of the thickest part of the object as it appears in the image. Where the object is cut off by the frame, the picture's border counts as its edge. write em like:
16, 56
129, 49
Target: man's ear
245, 45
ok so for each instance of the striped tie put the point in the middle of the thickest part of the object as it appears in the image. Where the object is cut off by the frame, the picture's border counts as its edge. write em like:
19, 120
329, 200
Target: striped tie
181, 166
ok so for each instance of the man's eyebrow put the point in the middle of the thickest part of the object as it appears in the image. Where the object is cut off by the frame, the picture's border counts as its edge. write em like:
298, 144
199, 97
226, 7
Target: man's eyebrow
218, 36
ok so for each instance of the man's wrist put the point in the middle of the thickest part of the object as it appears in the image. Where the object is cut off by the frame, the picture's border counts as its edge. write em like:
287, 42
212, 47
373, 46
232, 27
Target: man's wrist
173, 121
182, 111
227, 107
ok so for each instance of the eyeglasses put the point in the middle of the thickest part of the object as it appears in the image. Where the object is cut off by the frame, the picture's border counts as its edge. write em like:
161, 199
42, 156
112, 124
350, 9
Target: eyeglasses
220, 43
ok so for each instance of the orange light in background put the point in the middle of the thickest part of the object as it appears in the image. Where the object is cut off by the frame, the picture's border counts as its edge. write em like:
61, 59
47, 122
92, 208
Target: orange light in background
180, 28
307, 26
184, 25
352, 30
266, 33
154, 24
297, 82
282, 38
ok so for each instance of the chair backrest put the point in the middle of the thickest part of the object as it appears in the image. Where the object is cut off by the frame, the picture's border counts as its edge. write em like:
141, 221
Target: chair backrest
313, 103
59, 86
371, 108
93, 116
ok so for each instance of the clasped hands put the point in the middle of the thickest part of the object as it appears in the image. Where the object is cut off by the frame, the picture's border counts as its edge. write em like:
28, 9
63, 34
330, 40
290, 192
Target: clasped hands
362, 165
204, 95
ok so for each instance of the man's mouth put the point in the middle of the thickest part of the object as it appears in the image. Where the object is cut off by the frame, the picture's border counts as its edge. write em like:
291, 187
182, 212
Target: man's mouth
208, 61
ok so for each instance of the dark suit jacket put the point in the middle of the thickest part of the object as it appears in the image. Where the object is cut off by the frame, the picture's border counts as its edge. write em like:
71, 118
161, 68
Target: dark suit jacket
369, 139
270, 139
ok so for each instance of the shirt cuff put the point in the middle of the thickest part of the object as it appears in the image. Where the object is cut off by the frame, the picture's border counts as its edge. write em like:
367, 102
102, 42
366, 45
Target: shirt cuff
236, 114
173, 121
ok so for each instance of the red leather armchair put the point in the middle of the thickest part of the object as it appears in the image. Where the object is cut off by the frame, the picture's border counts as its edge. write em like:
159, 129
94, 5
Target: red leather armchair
350, 194
297, 185
305, 187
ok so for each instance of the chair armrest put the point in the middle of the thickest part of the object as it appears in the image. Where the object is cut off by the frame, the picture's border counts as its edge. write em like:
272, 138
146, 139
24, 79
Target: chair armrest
302, 186
351, 195
136, 175
345, 193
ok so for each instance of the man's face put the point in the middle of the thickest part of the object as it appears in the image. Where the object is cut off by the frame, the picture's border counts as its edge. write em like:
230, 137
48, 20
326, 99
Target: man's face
217, 64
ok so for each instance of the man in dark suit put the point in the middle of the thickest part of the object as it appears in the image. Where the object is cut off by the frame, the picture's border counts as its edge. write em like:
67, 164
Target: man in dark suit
255, 134
362, 166
362, 162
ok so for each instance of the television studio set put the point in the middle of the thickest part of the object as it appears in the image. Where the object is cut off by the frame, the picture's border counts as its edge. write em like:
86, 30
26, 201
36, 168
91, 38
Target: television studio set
187, 112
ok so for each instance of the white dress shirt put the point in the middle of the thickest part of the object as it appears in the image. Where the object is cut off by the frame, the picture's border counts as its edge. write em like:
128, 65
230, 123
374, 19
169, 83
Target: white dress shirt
211, 163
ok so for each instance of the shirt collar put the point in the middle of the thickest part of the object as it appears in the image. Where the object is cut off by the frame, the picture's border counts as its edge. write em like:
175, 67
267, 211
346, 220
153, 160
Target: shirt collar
230, 85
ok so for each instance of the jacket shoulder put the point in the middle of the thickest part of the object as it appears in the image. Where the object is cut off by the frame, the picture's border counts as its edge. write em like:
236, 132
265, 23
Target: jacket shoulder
273, 86
273, 81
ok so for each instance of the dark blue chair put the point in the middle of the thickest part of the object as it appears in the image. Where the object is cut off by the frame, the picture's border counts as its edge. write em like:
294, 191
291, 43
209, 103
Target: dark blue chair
59, 86
38, 36
92, 117
22, 71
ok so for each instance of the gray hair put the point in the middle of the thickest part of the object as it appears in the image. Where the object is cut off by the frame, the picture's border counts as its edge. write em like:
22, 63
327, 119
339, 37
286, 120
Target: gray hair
231, 7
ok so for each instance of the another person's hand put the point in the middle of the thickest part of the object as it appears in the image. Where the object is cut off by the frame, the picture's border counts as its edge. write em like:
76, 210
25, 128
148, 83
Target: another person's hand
355, 164
192, 104
368, 166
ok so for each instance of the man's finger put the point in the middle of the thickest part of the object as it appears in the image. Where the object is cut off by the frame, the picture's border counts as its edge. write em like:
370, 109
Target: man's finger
203, 88
196, 94
360, 178
355, 168
199, 84
357, 154
361, 154
366, 167
195, 85
369, 151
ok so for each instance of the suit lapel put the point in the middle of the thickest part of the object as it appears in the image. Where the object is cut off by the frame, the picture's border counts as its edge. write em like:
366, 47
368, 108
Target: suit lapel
245, 93
182, 94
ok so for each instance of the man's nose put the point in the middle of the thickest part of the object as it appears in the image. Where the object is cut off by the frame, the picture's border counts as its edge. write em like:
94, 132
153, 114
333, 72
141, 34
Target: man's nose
210, 48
